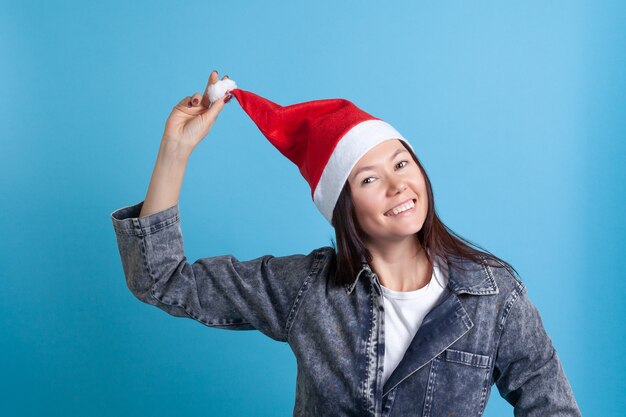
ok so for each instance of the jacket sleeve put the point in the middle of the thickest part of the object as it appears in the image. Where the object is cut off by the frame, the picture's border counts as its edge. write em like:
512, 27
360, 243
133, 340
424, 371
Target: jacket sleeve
218, 291
528, 372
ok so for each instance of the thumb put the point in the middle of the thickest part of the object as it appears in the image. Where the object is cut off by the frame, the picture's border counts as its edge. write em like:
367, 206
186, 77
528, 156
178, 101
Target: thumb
216, 107
208, 117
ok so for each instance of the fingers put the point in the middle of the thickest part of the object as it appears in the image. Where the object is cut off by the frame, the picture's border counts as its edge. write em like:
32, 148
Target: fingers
186, 105
218, 105
195, 99
185, 102
228, 95
197, 102
191, 102
212, 80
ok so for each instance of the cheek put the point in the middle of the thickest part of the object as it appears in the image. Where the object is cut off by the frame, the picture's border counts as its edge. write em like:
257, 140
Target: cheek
424, 201
362, 206
366, 206
420, 186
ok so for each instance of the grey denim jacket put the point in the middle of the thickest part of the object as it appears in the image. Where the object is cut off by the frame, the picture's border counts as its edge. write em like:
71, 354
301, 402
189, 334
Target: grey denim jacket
484, 331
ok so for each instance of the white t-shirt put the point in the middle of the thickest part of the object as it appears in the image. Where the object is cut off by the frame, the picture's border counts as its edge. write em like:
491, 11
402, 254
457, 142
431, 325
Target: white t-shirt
404, 313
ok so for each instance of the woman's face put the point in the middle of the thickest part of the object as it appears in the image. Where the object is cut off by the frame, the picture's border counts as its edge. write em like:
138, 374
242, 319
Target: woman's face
388, 193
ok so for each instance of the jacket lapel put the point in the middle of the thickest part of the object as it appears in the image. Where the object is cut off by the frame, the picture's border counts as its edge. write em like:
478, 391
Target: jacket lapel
445, 323
442, 326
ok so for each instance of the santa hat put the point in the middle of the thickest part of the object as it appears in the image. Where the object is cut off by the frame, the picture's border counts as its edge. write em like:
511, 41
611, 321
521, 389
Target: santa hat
324, 138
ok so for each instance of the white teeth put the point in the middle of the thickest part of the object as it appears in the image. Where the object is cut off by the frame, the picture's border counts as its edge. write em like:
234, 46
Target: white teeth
400, 209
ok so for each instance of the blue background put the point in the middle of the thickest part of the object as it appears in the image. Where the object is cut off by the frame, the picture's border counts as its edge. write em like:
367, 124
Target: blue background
516, 111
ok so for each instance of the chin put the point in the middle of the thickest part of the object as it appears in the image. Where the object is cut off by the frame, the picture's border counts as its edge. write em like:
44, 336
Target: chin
398, 234
385, 231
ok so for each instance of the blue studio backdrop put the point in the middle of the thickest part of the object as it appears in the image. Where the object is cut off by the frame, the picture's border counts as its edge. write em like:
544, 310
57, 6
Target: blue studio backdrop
516, 110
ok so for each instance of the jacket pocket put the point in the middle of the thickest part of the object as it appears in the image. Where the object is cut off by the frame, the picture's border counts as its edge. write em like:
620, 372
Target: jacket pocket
458, 384
467, 358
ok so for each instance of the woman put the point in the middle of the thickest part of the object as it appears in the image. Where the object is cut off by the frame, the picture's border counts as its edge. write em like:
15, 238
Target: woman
403, 318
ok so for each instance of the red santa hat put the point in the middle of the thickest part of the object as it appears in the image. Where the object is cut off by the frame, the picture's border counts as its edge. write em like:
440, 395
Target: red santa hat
324, 138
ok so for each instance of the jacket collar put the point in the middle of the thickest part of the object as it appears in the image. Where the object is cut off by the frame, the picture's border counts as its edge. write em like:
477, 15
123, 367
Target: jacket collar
464, 276
365, 268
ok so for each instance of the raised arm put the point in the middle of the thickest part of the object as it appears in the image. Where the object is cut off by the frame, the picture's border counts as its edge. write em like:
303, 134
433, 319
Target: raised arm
221, 291
189, 122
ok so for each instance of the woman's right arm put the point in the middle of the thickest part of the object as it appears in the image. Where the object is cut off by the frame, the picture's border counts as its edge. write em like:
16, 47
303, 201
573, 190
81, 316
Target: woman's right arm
219, 291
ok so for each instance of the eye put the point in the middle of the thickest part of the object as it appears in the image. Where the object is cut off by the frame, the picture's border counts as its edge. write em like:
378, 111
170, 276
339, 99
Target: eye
403, 163
365, 180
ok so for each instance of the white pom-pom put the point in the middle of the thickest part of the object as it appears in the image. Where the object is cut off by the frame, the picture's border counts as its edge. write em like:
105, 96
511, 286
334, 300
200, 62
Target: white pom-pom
218, 90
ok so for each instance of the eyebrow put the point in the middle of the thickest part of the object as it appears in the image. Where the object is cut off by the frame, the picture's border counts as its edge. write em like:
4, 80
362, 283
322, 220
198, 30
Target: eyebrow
396, 153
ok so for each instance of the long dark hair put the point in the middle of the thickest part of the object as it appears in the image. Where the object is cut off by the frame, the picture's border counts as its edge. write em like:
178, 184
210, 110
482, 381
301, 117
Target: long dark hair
435, 237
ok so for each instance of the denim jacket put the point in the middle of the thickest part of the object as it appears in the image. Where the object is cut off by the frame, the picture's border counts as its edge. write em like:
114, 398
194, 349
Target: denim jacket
485, 329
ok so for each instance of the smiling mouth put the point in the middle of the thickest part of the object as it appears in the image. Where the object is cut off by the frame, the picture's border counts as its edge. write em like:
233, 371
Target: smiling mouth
401, 208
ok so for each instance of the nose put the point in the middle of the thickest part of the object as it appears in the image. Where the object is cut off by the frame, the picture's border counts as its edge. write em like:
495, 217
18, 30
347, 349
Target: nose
397, 186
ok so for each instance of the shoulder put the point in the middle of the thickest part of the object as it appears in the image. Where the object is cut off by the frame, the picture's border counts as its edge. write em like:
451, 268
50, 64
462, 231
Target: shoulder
308, 262
505, 276
324, 254
490, 275
327, 257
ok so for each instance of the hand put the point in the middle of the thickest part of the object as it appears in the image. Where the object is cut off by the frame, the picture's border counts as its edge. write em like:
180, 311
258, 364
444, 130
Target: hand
192, 118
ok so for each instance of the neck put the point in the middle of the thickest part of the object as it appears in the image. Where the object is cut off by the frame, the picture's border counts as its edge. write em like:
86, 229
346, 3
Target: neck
402, 266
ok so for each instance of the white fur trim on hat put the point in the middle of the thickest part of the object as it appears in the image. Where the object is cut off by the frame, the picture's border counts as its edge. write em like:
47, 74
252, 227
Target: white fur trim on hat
218, 90
350, 149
